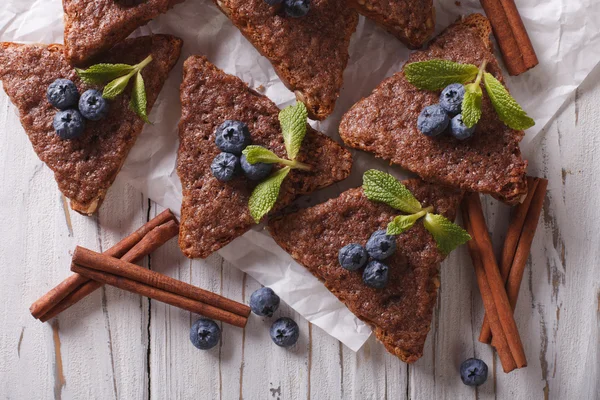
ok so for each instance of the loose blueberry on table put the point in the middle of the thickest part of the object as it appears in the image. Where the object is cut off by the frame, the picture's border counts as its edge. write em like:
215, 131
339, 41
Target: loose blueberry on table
255, 172
232, 137
452, 97
433, 120
353, 257
375, 274
381, 245
92, 105
473, 372
62, 94
68, 124
285, 332
225, 166
205, 334
264, 302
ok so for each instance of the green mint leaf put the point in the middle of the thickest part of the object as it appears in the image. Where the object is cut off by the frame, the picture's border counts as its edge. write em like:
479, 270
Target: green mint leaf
117, 86
138, 102
509, 111
293, 126
402, 223
471, 105
102, 73
255, 154
447, 234
265, 194
382, 187
437, 74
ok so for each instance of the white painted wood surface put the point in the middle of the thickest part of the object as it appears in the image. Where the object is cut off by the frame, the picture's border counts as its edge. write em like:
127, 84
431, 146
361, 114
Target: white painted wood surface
118, 345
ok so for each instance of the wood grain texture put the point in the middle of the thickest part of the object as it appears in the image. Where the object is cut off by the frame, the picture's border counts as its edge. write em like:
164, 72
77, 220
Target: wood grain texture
116, 345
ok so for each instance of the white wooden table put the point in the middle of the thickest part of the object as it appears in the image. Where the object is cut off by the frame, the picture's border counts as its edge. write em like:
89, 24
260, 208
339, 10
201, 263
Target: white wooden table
118, 345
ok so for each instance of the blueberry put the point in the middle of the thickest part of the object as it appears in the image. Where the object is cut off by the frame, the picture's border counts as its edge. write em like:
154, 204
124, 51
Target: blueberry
380, 245
433, 120
375, 275
232, 137
284, 332
352, 257
62, 94
473, 372
255, 172
296, 8
92, 105
264, 302
273, 2
459, 130
225, 166
452, 97
68, 124
205, 334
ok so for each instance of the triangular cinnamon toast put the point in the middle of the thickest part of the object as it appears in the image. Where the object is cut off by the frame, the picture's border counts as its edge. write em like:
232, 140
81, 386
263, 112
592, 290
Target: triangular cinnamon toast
411, 21
85, 167
309, 53
385, 123
400, 314
94, 26
213, 213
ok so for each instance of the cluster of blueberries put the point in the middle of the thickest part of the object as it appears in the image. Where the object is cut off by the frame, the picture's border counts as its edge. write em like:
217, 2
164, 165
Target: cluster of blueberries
380, 246
69, 121
205, 333
292, 8
435, 119
232, 137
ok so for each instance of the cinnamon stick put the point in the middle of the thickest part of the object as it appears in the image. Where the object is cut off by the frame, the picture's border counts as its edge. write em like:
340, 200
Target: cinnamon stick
161, 295
500, 343
505, 314
510, 246
100, 262
514, 42
74, 282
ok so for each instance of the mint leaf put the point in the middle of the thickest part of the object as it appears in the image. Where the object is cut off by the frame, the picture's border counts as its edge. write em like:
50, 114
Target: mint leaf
117, 86
138, 102
402, 223
447, 234
102, 73
255, 154
265, 194
509, 111
471, 105
293, 127
382, 187
437, 74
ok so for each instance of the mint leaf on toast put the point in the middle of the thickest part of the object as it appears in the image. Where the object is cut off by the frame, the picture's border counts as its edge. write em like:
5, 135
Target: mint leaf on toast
509, 111
102, 73
384, 188
471, 105
265, 194
446, 234
255, 154
437, 74
402, 223
293, 127
138, 102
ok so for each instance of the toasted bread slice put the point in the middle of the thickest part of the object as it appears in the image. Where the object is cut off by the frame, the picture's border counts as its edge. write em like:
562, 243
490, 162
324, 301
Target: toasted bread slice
94, 26
85, 167
411, 21
309, 53
214, 213
385, 123
400, 314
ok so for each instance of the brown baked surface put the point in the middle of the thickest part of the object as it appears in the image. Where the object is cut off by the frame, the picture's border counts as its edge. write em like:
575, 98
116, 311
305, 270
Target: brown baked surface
85, 167
309, 54
385, 123
94, 26
214, 213
411, 21
400, 314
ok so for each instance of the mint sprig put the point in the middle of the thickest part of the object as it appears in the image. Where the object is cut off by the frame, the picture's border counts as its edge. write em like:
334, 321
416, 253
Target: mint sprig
293, 128
437, 74
117, 77
392, 192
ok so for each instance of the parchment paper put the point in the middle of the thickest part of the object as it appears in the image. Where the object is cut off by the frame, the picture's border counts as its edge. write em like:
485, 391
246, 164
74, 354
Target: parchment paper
565, 34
